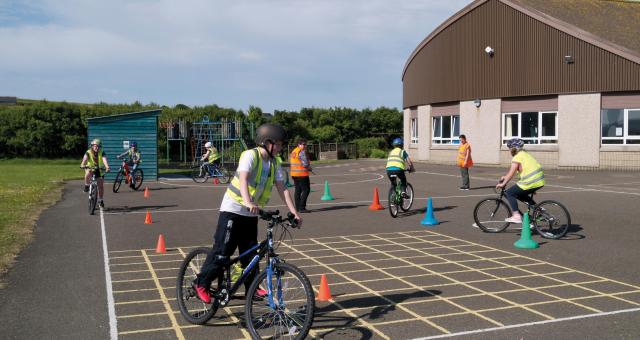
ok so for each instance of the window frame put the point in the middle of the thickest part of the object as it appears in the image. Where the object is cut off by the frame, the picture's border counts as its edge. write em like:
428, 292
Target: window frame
539, 138
454, 139
625, 129
414, 131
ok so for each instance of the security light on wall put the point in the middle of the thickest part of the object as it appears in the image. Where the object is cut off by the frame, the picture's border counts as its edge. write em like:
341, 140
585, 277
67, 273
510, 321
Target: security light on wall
477, 102
568, 59
489, 51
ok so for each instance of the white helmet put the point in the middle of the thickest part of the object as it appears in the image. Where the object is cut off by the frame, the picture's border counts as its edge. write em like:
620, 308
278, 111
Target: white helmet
207, 145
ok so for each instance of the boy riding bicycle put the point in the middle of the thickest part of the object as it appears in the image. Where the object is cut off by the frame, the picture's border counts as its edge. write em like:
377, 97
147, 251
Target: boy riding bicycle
133, 159
95, 158
396, 165
258, 171
212, 156
531, 178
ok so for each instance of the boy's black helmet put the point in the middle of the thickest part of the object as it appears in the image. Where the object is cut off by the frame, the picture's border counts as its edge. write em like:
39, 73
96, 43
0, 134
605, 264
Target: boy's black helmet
272, 133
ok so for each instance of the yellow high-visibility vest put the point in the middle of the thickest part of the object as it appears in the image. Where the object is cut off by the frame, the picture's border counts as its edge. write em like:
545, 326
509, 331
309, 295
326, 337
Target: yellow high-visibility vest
532, 175
395, 159
255, 179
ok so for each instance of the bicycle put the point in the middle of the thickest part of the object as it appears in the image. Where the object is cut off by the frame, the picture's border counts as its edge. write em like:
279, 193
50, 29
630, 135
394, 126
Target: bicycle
93, 188
136, 177
549, 218
396, 199
204, 171
289, 305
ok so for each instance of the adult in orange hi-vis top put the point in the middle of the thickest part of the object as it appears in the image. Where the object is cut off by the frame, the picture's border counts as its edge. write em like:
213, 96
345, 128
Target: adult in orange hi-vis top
300, 167
464, 161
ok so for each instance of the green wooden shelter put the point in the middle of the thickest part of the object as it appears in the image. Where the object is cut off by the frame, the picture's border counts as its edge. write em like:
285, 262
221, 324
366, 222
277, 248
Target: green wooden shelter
117, 131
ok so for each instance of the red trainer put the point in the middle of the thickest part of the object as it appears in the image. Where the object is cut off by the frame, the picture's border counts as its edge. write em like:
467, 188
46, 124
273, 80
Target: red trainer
261, 292
203, 293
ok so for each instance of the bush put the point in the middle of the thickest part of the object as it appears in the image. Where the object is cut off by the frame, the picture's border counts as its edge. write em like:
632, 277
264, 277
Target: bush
366, 145
377, 153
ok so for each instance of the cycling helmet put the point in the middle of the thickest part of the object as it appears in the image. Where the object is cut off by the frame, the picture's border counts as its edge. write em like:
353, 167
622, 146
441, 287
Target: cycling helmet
97, 142
271, 133
133, 144
207, 144
515, 143
397, 141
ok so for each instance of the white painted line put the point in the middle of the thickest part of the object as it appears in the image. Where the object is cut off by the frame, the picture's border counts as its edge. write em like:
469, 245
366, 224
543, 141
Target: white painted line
486, 330
113, 324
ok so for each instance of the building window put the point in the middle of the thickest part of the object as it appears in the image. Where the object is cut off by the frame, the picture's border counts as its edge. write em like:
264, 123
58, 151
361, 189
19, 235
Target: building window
414, 130
446, 130
621, 126
531, 127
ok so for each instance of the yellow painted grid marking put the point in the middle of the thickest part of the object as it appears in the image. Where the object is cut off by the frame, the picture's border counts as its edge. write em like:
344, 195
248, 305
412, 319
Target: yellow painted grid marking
443, 245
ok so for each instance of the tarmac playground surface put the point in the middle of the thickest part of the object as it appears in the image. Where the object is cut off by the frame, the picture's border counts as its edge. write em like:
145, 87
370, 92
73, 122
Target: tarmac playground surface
389, 278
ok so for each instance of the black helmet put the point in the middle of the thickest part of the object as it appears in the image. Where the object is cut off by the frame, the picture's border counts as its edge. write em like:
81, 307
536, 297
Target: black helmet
272, 133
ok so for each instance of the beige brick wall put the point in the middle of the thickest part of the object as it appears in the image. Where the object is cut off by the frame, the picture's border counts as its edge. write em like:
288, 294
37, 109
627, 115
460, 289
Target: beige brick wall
482, 128
579, 130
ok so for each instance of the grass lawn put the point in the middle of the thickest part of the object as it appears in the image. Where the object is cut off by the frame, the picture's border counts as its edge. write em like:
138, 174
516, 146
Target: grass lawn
27, 187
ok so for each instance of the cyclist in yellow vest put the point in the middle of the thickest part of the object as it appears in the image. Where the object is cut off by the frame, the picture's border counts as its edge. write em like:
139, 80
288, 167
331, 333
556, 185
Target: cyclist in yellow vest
397, 162
464, 161
95, 157
531, 178
300, 167
258, 171
211, 156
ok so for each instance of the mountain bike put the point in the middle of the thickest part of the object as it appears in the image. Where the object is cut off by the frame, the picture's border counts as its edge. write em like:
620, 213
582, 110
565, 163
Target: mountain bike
134, 179
549, 218
286, 311
93, 188
397, 200
206, 170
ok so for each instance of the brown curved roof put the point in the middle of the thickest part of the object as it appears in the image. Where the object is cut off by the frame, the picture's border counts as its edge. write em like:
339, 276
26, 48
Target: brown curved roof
611, 25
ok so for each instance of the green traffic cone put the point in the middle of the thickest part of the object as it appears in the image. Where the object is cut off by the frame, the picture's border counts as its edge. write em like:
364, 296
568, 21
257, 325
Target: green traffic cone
289, 185
525, 241
327, 194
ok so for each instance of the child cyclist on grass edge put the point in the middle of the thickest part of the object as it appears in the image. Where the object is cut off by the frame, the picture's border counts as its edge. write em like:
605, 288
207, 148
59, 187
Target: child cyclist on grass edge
258, 170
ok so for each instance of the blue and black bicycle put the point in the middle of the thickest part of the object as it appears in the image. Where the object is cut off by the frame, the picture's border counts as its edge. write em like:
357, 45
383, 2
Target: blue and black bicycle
202, 172
286, 311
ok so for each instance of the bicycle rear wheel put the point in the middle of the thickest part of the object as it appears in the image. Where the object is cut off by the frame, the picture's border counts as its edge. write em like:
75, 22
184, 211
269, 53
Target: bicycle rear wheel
138, 177
294, 305
407, 202
393, 202
200, 174
551, 219
490, 215
225, 176
118, 181
191, 307
93, 198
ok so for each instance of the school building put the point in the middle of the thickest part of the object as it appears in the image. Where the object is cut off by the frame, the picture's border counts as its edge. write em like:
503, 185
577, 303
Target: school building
562, 75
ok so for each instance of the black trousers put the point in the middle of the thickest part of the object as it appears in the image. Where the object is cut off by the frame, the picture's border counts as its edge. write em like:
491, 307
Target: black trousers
516, 193
303, 187
401, 176
234, 231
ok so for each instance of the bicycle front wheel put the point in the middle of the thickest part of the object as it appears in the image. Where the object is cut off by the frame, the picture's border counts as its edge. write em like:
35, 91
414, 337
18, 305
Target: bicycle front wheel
407, 202
490, 215
138, 177
291, 315
393, 202
551, 219
199, 174
117, 182
193, 309
225, 176
93, 198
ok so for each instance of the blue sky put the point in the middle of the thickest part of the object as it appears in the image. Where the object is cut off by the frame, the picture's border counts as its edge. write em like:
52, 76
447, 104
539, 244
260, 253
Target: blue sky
275, 54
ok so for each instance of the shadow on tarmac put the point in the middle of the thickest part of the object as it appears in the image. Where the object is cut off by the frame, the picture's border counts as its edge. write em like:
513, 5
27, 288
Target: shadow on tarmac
337, 207
345, 326
126, 209
166, 188
424, 210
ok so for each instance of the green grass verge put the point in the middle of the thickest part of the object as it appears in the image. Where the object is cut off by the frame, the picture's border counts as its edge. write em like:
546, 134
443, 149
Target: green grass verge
27, 187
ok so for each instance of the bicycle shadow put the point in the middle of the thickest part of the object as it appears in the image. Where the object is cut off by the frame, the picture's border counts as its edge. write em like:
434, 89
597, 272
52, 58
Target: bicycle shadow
127, 209
484, 187
336, 207
424, 210
573, 233
164, 188
370, 309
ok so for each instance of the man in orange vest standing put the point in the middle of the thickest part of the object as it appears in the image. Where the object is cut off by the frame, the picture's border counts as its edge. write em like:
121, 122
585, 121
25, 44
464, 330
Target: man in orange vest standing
300, 167
464, 161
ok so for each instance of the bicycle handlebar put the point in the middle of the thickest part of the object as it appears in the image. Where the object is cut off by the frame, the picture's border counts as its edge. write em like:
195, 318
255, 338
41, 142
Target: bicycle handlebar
274, 216
92, 168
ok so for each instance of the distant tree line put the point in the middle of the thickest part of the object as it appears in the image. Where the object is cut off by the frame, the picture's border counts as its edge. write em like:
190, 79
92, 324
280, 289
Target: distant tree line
59, 129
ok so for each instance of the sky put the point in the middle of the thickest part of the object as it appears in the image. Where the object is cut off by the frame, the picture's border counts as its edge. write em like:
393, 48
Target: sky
274, 54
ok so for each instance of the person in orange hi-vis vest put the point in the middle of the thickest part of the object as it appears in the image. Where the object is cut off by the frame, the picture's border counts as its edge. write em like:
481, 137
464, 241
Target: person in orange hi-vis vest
300, 167
464, 161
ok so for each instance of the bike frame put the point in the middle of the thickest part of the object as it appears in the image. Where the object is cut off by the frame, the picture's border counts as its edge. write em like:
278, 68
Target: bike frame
529, 206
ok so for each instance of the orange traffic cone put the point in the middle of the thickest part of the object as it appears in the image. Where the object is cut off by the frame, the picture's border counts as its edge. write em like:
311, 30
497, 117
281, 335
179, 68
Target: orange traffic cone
160, 248
147, 219
216, 181
376, 201
146, 192
324, 294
